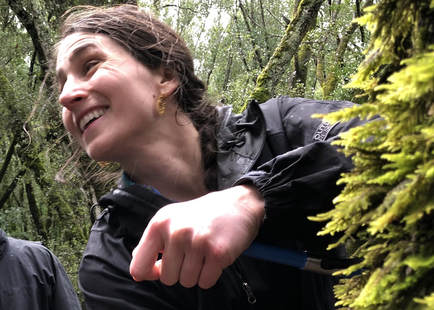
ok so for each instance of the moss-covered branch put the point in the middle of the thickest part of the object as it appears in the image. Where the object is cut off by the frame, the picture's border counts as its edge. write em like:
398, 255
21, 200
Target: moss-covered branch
295, 32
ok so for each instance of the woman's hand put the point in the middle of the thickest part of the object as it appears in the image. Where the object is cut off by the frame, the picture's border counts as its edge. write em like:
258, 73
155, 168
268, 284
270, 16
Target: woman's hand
198, 238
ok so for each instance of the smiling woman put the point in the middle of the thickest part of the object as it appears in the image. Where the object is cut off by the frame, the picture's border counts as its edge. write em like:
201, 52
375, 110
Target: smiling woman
130, 95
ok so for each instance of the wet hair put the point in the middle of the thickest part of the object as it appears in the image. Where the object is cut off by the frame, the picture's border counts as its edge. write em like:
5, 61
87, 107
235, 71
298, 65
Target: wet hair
156, 46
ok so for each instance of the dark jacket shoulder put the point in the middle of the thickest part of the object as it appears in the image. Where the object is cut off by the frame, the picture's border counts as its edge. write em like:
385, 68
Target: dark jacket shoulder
264, 131
295, 118
32, 277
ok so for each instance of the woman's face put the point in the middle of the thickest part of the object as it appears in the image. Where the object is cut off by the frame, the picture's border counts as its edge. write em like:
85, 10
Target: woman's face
108, 97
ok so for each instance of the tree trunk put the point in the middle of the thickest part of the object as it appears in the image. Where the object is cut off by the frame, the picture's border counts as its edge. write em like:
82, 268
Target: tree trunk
288, 46
251, 35
301, 60
34, 211
228, 72
264, 26
240, 43
329, 85
319, 71
213, 61
28, 22
8, 157
10, 103
11, 187
358, 14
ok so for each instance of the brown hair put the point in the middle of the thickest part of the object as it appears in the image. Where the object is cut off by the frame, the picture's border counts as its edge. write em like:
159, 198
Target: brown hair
155, 45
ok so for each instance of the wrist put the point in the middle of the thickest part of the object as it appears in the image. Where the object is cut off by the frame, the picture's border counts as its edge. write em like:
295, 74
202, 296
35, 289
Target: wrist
251, 199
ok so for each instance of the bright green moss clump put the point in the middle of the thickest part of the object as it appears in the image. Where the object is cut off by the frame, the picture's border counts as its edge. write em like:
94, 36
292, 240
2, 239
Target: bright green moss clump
385, 212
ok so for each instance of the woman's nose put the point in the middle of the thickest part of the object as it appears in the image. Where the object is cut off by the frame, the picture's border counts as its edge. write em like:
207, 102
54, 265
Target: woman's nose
73, 92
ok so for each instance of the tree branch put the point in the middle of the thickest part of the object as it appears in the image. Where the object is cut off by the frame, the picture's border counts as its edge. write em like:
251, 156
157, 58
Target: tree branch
29, 23
251, 36
11, 187
332, 78
33, 207
8, 157
288, 46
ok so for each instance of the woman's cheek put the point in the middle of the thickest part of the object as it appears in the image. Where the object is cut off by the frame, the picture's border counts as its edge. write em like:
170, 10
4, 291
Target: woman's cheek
68, 122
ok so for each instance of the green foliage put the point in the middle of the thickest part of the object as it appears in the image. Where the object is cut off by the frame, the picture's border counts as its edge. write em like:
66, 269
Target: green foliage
385, 212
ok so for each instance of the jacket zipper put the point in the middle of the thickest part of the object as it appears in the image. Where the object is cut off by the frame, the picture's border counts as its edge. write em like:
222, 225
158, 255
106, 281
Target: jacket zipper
251, 298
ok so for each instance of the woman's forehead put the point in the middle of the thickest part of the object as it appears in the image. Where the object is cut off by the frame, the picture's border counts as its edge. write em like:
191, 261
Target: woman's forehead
72, 45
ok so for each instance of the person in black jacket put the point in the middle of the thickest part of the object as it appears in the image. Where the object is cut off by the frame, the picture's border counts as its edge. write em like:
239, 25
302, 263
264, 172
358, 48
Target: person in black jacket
31, 277
211, 204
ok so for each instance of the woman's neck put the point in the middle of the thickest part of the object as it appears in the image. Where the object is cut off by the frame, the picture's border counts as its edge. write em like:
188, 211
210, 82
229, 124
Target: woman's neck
171, 163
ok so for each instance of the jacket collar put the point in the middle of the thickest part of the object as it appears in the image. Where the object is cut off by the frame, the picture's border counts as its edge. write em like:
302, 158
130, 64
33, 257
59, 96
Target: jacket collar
240, 140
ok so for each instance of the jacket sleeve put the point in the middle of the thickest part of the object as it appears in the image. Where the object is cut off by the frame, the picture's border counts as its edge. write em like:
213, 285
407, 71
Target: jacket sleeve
302, 180
33, 278
64, 296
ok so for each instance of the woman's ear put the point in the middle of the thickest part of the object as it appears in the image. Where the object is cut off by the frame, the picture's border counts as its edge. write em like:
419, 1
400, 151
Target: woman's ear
169, 82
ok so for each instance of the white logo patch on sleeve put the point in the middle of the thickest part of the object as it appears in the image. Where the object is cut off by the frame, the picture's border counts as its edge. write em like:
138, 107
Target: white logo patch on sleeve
322, 131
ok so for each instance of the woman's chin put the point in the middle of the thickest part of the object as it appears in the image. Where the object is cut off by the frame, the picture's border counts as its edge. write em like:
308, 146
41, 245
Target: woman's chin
98, 155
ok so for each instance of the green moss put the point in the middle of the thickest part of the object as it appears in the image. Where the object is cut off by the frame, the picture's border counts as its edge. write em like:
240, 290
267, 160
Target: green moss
261, 92
386, 207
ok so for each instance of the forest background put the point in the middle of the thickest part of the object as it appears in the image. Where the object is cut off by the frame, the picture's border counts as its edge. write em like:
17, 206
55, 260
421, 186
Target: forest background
242, 48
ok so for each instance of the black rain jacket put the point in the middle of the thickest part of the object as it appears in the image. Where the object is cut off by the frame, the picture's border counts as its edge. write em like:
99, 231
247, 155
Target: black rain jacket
276, 146
32, 278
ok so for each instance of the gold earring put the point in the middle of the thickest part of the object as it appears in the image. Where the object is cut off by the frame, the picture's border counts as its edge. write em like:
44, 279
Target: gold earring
161, 104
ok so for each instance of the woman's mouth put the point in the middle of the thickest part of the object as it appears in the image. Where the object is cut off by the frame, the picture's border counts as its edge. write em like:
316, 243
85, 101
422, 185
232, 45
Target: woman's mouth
93, 115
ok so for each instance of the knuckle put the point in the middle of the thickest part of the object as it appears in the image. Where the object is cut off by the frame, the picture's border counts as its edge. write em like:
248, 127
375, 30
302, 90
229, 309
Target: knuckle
157, 224
220, 254
182, 235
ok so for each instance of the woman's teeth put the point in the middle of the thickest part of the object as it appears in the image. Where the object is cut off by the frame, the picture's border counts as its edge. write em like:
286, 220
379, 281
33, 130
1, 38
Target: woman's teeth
91, 116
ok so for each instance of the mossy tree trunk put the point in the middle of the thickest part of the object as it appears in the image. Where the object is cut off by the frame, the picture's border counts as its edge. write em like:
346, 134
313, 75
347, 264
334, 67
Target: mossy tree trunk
301, 63
279, 62
331, 81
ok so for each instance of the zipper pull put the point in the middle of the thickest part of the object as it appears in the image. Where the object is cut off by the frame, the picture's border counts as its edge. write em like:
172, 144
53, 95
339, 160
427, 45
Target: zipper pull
250, 296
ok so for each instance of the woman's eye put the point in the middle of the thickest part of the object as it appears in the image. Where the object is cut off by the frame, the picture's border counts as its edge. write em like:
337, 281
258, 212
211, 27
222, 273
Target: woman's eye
90, 64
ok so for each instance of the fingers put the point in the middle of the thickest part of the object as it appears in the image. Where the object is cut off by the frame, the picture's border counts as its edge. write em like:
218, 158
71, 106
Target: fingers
191, 269
144, 264
183, 261
203, 264
211, 272
173, 258
197, 270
